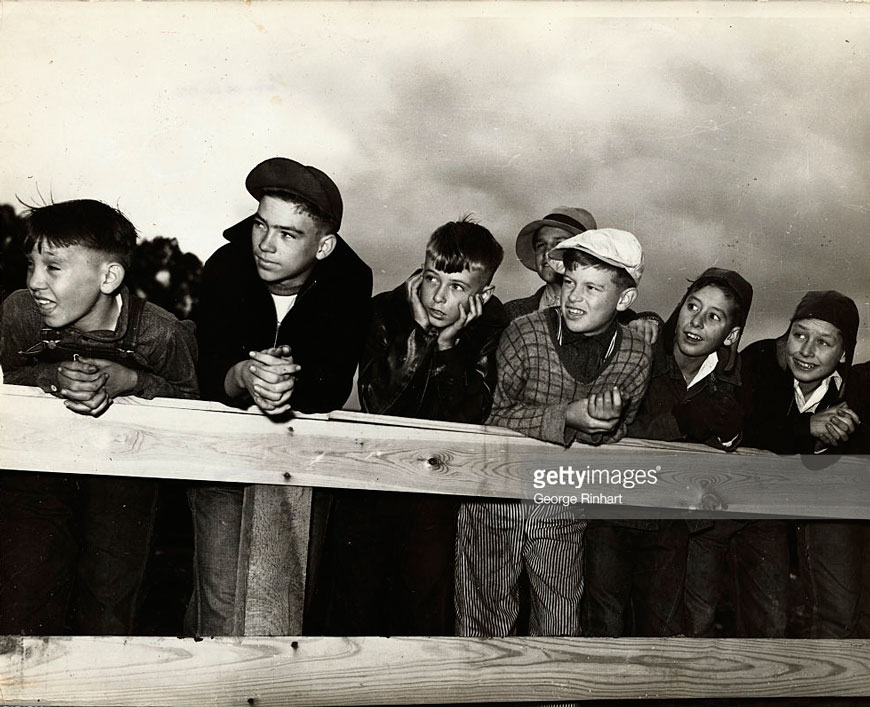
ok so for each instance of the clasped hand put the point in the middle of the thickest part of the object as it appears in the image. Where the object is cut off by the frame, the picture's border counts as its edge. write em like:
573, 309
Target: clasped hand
835, 425
89, 384
269, 377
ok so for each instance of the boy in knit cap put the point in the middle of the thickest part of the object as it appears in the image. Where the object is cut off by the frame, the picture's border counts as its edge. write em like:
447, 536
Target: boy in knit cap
693, 396
806, 397
564, 374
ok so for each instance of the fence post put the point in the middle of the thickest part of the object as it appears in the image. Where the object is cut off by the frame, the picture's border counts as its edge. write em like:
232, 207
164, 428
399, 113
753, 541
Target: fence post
274, 560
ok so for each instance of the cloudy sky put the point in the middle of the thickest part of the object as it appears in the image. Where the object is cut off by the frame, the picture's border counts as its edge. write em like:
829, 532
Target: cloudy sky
730, 134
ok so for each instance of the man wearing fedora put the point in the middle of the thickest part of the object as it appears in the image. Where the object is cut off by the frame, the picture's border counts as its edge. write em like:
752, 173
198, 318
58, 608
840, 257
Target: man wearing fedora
534, 241
283, 315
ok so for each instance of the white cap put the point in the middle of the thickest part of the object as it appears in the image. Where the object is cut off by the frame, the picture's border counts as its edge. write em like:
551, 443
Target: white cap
618, 248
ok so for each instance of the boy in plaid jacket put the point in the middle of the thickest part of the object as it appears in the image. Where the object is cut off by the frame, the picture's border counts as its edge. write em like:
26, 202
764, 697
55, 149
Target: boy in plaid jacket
565, 374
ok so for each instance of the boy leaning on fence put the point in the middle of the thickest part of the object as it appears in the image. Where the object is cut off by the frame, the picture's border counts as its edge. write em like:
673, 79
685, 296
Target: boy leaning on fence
430, 354
282, 316
73, 549
564, 374
635, 569
806, 397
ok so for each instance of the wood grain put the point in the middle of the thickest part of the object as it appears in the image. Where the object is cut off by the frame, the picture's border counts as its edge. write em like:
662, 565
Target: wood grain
276, 559
380, 671
199, 441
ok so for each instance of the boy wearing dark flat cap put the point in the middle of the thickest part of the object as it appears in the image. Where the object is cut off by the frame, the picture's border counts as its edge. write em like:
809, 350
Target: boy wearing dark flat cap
806, 398
280, 327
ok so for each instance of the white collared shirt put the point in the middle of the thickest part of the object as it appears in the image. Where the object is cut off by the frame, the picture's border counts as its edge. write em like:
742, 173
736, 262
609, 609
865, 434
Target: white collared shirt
705, 370
812, 402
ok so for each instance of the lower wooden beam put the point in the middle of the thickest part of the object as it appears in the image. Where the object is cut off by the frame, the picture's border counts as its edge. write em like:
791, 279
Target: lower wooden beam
380, 671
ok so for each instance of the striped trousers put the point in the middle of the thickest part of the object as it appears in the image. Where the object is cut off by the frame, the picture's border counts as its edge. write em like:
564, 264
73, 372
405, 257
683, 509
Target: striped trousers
495, 542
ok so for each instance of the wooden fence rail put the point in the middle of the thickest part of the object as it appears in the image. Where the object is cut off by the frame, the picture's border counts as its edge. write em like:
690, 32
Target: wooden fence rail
208, 442
302, 671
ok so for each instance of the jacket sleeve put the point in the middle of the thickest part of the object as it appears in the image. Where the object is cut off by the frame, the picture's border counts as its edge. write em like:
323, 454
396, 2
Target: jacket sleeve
633, 379
390, 363
19, 330
173, 364
464, 377
326, 379
511, 406
768, 396
653, 422
218, 351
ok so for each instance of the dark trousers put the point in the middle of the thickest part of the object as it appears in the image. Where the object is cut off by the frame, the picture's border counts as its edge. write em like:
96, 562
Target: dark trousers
747, 559
836, 570
634, 579
73, 552
387, 565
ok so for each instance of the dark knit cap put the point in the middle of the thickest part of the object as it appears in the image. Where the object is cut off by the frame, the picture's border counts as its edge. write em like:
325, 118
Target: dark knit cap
832, 307
734, 280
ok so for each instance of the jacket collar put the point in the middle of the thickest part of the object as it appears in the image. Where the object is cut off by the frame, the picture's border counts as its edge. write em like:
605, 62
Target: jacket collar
102, 335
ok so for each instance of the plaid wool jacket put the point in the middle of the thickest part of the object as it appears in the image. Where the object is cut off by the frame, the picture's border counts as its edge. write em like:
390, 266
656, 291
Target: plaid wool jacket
534, 388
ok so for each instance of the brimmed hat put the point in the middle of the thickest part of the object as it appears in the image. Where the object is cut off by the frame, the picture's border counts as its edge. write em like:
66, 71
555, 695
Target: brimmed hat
571, 219
618, 248
309, 183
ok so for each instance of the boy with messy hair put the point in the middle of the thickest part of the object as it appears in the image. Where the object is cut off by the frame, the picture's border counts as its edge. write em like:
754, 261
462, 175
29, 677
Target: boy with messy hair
564, 374
637, 567
73, 549
429, 353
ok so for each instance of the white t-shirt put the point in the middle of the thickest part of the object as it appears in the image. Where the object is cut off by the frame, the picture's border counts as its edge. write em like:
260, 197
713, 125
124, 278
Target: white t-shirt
283, 304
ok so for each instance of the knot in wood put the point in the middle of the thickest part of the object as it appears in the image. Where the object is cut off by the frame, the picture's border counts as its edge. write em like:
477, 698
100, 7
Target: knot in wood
436, 461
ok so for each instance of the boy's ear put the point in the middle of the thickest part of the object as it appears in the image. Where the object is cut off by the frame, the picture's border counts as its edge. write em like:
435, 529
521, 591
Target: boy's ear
486, 293
325, 246
626, 299
733, 336
112, 277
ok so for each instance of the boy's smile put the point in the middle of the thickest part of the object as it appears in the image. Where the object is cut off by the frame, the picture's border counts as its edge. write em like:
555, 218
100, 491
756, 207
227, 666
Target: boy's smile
814, 348
65, 283
704, 322
590, 299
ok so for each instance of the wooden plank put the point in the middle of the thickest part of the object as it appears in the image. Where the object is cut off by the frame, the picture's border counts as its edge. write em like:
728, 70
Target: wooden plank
154, 439
380, 671
276, 560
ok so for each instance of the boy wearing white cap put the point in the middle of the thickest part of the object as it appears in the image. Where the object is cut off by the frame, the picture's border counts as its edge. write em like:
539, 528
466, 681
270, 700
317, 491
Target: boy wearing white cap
565, 374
